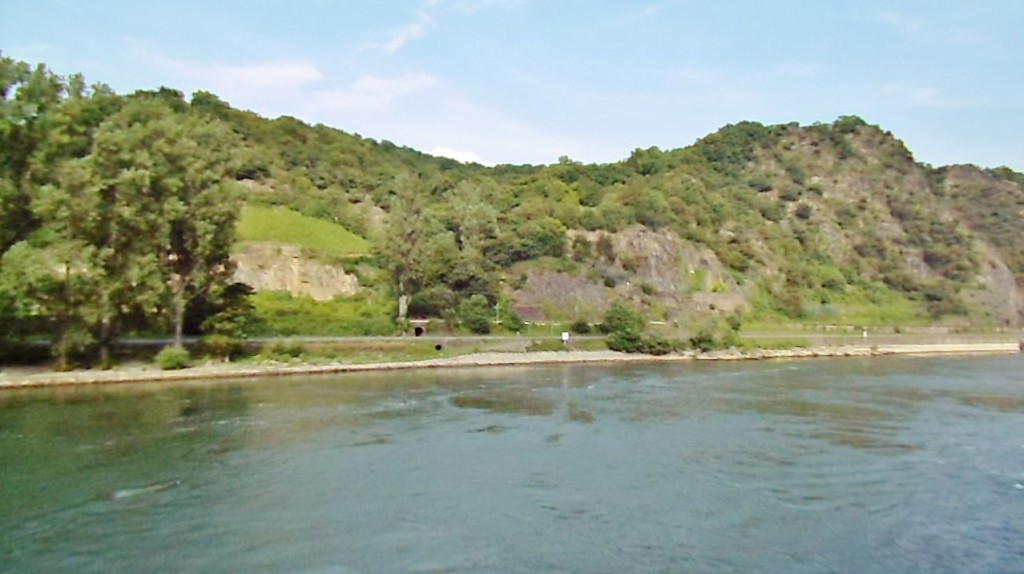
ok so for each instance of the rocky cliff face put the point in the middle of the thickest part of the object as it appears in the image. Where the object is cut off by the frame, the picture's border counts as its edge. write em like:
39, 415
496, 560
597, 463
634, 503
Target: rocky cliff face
810, 215
656, 269
275, 267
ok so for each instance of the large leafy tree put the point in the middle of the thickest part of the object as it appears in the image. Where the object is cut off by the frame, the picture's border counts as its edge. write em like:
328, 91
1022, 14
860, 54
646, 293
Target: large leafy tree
45, 124
405, 243
168, 204
126, 209
27, 97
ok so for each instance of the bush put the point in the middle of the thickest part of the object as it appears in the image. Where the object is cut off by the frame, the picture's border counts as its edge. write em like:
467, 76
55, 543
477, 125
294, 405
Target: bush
655, 345
622, 318
475, 314
633, 342
172, 358
580, 327
280, 314
223, 346
704, 339
512, 322
287, 350
626, 341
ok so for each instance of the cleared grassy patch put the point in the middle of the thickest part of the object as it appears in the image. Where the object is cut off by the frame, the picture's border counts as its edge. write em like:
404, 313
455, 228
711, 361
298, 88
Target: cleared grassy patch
282, 225
280, 314
873, 306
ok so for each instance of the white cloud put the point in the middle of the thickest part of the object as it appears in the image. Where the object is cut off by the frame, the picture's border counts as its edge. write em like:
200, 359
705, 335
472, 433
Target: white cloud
415, 30
260, 76
405, 34
427, 113
373, 92
459, 155
270, 87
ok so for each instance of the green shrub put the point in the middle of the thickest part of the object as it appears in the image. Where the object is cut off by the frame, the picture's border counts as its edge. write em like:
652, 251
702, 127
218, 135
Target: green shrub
619, 317
632, 342
286, 350
475, 314
172, 358
626, 341
796, 174
704, 339
222, 346
280, 314
510, 320
656, 345
580, 327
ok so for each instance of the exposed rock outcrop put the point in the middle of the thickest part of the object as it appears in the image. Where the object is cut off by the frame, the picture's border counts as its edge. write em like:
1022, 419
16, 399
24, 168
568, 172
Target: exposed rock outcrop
276, 267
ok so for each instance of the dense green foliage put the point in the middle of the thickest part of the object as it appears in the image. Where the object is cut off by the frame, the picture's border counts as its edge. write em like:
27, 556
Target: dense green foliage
281, 314
118, 213
625, 328
125, 210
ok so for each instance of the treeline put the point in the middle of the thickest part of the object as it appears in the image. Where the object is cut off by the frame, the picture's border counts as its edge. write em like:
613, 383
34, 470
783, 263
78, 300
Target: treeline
116, 212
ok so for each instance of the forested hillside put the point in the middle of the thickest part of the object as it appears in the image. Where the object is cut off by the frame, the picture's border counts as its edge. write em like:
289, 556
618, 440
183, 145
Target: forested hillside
118, 216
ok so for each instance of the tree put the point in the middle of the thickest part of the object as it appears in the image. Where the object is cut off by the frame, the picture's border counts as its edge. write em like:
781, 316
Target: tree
138, 227
26, 98
43, 127
475, 314
48, 286
171, 173
403, 245
470, 215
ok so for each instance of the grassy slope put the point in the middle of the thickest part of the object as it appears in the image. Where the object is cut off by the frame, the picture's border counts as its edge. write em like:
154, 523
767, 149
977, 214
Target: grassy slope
282, 225
281, 314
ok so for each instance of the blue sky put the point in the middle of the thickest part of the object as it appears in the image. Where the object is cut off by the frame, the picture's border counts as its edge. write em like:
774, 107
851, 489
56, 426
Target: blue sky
527, 81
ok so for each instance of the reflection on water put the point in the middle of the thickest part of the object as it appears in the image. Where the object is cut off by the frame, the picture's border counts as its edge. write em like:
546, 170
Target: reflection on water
880, 465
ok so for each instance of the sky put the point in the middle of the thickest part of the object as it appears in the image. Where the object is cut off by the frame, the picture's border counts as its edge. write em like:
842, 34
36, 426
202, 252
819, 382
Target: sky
530, 81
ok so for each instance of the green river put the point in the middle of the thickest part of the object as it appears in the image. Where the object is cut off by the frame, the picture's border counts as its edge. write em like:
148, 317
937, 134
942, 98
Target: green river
884, 465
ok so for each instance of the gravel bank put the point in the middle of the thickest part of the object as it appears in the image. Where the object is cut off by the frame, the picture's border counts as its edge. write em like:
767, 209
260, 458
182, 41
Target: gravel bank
23, 378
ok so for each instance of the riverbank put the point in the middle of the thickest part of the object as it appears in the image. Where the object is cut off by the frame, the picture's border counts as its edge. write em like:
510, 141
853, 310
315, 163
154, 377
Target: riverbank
14, 378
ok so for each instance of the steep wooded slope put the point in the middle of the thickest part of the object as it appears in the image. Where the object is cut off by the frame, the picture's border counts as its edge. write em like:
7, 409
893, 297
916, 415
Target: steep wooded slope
812, 222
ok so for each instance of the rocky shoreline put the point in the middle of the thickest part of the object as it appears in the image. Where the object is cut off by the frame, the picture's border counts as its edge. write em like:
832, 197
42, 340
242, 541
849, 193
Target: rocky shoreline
21, 379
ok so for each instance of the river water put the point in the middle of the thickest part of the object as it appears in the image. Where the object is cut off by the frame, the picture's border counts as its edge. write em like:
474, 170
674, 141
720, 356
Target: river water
845, 465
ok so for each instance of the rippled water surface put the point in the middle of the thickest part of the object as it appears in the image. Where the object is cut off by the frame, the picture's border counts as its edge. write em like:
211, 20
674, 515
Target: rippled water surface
848, 465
